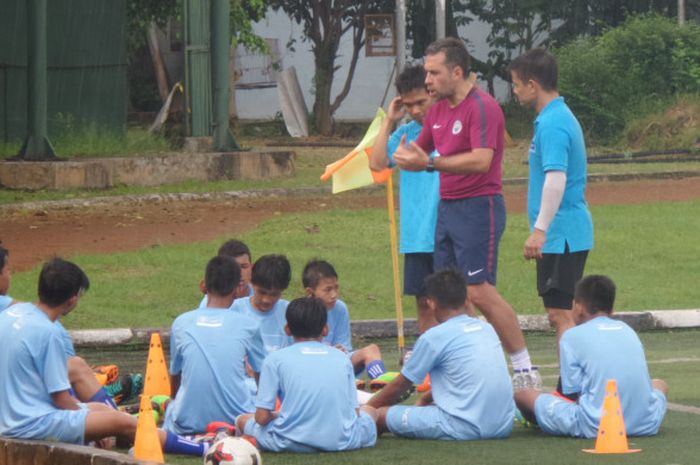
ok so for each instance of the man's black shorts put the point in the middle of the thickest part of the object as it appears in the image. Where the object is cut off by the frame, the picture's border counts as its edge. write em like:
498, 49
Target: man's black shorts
557, 275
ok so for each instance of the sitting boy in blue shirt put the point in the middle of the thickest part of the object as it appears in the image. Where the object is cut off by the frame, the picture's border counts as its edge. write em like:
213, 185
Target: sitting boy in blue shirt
472, 394
317, 413
321, 281
35, 402
240, 252
596, 350
208, 348
270, 278
5, 279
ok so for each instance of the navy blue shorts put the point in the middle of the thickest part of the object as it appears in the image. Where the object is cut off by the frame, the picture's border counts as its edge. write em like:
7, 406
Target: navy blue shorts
467, 236
416, 267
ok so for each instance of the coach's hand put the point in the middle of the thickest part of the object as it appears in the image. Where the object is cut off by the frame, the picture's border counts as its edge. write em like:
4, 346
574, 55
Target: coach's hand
410, 157
534, 244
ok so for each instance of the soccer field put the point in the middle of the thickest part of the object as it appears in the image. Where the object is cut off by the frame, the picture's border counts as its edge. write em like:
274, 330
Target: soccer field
672, 355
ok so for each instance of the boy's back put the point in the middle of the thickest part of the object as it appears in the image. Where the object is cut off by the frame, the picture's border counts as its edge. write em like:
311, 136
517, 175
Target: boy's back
316, 384
271, 323
603, 349
208, 348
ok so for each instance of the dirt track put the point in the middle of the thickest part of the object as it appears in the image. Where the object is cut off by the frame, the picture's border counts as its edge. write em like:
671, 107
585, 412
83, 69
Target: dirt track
32, 238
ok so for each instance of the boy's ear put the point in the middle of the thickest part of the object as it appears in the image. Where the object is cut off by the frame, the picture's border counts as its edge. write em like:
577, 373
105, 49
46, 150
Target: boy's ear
325, 331
203, 286
309, 292
287, 330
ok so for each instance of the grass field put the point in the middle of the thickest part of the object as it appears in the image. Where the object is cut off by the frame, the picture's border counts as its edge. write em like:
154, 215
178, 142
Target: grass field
672, 355
651, 265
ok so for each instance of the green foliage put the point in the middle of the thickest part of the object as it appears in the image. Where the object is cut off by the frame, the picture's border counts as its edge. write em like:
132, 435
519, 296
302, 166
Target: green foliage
608, 80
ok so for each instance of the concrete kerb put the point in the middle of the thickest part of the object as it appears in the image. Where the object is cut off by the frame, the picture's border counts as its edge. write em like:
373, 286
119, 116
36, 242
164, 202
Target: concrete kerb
25, 452
640, 321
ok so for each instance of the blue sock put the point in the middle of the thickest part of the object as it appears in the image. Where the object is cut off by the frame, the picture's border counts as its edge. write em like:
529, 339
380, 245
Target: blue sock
175, 444
375, 369
102, 397
71, 391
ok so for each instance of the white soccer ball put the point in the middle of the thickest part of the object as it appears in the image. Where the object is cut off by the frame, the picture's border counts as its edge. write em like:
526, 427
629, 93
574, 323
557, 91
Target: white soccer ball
232, 451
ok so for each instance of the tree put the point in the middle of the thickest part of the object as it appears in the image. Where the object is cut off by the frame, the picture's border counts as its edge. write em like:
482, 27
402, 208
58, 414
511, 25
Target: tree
325, 22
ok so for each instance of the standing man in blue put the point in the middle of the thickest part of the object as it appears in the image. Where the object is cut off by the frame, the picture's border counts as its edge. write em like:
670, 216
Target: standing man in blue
208, 350
420, 190
560, 222
595, 351
316, 384
472, 395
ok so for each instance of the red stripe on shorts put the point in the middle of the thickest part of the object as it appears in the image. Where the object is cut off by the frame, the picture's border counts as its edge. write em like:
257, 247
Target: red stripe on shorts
492, 234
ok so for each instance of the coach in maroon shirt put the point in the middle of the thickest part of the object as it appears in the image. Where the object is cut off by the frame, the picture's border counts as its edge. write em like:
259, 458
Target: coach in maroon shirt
467, 128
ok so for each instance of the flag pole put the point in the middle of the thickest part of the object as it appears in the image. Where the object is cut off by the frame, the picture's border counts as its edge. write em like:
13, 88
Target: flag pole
395, 265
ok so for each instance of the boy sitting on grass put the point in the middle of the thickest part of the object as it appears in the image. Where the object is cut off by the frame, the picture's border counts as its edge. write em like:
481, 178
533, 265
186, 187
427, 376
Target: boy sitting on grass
270, 278
316, 384
240, 252
321, 281
35, 402
472, 394
596, 350
207, 350
5, 279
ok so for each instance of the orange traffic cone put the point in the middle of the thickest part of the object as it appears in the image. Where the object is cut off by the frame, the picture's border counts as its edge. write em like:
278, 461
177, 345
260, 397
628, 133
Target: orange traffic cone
612, 436
157, 378
147, 444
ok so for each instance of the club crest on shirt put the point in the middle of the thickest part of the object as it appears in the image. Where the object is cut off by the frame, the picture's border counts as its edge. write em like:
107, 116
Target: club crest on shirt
457, 127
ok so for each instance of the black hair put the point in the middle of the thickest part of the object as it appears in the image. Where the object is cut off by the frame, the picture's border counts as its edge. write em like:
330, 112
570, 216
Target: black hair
272, 272
234, 248
537, 65
456, 53
447, 288
315, 271
4, 255
596, 293
222, 275
60, 280
306, 317
411, 78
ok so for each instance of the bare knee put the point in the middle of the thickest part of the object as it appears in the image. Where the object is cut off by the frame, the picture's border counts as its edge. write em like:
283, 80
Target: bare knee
372, 352
660, 384
78, 369
371, 411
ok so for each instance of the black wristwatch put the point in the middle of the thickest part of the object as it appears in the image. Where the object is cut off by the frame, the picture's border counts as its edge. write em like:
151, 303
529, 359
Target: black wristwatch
431, 165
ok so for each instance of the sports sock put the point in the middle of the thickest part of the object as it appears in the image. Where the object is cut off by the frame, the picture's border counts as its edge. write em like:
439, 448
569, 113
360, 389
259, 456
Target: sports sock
175, 444
375, 369
103, 397
521, 360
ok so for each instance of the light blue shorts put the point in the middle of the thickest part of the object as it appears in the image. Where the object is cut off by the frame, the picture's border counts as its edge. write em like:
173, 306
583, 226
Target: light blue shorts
431, 422
364, 434
59, 425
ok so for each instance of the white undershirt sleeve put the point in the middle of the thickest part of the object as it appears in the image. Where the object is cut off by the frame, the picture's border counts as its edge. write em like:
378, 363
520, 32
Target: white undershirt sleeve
552, 193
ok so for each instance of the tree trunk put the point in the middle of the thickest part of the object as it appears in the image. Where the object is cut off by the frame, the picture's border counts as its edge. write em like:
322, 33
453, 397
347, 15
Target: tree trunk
323, 82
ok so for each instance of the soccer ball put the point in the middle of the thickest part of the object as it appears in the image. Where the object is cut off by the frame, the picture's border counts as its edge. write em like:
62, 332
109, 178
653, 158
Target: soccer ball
232, 451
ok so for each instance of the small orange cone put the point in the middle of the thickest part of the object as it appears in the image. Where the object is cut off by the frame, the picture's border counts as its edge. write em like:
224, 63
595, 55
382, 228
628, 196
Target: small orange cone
157, 378
147, 444
612, 436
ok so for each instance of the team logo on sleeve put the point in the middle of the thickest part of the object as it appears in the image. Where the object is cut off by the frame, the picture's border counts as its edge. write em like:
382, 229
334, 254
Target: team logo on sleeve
457, 127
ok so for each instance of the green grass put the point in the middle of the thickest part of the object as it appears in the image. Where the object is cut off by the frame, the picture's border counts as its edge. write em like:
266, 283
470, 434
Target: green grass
652, 265
675, 444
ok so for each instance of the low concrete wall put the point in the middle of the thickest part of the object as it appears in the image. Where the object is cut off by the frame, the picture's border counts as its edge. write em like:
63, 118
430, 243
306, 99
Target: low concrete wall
23, 452
100, 173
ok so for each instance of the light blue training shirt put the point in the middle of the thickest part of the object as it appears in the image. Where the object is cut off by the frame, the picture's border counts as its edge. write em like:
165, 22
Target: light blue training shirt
204, 303
603, 349
468, 373
419, 195
208, 348
339, 331
5, 301
32, 367
316, 384
558, 145
271, 323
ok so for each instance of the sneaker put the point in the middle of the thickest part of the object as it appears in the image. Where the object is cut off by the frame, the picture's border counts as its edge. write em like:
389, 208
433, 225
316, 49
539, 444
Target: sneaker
106, 374
221, 428
518, 380
360, 384
160, 404
379, 382
519, 419
533, 379
128, 387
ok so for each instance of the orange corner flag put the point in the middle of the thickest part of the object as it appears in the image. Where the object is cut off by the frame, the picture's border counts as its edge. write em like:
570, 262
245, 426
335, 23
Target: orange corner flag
157, 378
147, 445
352, 171
612, 436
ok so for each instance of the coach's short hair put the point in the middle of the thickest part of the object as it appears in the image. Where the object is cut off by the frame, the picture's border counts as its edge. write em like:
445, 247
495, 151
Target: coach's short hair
222, 275
411, 78
447, 288
59, 280
306, 317
316, 270
537, 65
456, 53
4, 255
596, 293
272, 272
234, 248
